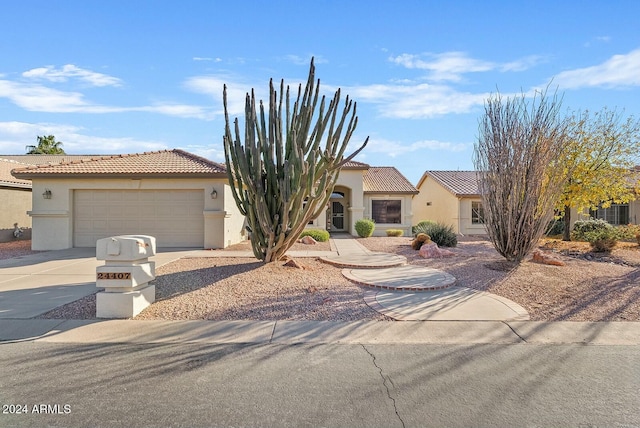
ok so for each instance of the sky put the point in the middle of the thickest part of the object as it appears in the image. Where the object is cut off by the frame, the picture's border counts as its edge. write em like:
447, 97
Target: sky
111, 77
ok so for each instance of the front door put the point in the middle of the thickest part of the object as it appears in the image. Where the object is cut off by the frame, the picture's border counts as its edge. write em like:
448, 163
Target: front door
337, 216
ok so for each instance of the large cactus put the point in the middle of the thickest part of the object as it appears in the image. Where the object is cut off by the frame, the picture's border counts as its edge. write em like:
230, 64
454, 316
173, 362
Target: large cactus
282, 178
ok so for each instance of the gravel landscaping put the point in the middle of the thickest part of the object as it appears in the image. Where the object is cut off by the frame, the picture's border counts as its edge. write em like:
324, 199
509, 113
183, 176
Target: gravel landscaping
590, 287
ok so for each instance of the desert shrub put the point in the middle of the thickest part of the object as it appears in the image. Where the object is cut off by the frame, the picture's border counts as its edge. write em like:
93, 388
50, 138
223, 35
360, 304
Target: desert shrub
440, 233
365, 227
422, 224
419, 240
556, 227
394, 232
317, 234
602, 240
582, 227
629, 232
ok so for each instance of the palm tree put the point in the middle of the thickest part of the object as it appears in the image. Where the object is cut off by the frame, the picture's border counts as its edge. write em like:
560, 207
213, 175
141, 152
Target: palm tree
46, 146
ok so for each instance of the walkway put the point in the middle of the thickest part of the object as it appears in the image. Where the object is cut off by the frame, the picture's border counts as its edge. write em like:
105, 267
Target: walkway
416, 293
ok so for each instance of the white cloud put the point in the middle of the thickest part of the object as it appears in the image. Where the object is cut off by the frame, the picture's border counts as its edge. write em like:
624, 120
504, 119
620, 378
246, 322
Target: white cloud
617, 71
207, 152
41, 98
178, 110
35, 97
396, 148
236, 92
445, 66
416, 101
522, 64
70, 71
15, 136
450, 66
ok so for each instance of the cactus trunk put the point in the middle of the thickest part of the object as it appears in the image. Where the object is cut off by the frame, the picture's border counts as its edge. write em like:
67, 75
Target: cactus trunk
283, 175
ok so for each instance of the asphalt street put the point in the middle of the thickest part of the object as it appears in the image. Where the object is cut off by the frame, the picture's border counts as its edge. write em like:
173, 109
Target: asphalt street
354, 385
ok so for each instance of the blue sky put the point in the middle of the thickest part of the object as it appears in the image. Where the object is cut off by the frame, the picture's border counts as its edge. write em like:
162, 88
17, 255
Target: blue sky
132, 76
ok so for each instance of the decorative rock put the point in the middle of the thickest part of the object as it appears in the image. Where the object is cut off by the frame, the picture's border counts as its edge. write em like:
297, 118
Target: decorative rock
420, 239
308, 240
294, 264
540, 256
431, 251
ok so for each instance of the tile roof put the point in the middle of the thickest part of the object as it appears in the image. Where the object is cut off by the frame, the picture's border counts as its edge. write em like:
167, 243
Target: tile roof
44, 159
460, 183
386, 179
8, 180
151, 164
355, 165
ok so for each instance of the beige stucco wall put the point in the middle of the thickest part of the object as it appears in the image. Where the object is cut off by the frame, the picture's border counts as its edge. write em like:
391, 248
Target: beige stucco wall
634, 213
407, 212
349, 182
52, 219
15, 203
435, 203
464, 219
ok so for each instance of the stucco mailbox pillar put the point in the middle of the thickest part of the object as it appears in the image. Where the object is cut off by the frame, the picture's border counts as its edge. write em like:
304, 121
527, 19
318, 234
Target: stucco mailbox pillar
125, 275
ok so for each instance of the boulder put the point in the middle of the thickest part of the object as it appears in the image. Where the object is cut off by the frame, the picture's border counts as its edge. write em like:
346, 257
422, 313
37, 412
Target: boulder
432, 251
540, 256
308, 240
294, 264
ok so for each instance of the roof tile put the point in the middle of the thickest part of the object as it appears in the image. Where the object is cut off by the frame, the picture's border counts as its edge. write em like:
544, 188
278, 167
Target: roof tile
176, 162
8, 180
460, 183
386, 179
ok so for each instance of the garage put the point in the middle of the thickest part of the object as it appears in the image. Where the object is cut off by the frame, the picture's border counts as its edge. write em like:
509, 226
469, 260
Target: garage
174, 217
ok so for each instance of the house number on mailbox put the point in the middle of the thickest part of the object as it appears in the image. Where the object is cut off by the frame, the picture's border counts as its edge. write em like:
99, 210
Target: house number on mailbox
114, 275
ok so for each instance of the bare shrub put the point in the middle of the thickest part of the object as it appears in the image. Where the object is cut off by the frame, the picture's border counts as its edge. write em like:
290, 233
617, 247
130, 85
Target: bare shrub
519, 176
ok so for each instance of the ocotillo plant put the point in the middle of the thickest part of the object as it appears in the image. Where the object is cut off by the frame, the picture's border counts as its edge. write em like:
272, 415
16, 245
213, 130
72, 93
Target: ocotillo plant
283, 175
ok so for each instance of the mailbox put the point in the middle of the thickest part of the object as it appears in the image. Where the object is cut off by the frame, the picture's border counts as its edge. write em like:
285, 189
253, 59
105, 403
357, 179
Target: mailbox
125, 276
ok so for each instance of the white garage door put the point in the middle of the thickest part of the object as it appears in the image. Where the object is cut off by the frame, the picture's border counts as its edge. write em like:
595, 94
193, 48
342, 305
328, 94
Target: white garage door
174, 217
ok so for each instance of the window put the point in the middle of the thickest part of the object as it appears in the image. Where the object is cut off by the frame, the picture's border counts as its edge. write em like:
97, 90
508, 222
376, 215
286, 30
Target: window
477, 213
616, 214
387, 211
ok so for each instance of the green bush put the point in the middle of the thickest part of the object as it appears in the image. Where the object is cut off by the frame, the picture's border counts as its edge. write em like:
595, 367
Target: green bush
317, 234
422, 224
602, 240
440, 233
582, 227
365, 227
556, 227
395, 232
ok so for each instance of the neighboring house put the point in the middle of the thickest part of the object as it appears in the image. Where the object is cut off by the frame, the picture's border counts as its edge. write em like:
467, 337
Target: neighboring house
184, 200
616, 214
15, 198
452, 198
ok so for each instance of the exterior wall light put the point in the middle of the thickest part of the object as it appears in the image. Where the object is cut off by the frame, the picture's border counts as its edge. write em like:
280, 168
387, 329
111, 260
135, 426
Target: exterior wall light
214, 194
47, 194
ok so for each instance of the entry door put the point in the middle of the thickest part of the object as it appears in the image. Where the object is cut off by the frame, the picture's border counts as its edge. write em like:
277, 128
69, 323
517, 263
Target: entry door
337, 215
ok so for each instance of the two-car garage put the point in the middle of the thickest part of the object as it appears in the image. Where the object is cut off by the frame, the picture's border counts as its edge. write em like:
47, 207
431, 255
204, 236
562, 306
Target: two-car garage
174, 217
181, 199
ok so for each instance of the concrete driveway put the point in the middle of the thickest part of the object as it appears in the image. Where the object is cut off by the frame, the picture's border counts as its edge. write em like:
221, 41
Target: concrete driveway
37, 283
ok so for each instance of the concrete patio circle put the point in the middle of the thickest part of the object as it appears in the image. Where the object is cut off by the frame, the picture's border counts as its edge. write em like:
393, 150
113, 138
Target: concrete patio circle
401, 278
452, 304
365, 260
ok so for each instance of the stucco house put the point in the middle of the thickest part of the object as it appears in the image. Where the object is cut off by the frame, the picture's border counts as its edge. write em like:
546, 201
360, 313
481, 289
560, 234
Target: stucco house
382, 194
15, 198
183, 200
452, 198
